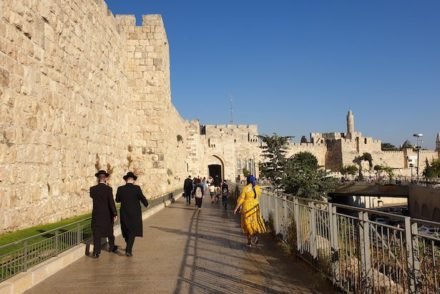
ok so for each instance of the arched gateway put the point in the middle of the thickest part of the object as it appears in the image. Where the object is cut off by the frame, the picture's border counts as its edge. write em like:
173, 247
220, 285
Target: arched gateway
216, 168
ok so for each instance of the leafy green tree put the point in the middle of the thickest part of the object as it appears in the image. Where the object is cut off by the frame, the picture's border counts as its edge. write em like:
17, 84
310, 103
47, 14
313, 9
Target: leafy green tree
305, 178
389, 171
306, 160
367, 157
432, 170
349, 170
274, 151
388, 147
377, 169
359, 159
382, 168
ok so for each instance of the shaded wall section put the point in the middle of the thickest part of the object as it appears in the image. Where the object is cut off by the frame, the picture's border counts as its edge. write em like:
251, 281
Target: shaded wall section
424, 202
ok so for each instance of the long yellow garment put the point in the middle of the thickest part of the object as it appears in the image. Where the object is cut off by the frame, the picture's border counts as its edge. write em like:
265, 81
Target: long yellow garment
251, 220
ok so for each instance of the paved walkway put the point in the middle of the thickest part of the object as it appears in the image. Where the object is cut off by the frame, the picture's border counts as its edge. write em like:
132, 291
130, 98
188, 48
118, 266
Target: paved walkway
186, 251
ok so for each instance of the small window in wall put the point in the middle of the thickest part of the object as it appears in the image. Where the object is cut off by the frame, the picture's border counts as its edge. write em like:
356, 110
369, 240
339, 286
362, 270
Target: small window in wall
365, 140
202, 130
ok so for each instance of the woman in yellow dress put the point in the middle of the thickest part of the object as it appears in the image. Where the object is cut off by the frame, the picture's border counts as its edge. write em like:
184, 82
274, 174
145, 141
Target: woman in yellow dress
251, 221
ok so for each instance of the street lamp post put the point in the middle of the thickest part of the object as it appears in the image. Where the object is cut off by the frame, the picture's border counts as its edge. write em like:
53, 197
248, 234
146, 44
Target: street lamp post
419, 141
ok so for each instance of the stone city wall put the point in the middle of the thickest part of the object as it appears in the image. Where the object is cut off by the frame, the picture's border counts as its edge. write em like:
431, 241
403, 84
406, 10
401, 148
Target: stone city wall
158, 152
231, 146
81, 90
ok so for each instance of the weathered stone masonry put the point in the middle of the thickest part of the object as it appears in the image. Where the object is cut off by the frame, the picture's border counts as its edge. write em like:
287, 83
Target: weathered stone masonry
81, 89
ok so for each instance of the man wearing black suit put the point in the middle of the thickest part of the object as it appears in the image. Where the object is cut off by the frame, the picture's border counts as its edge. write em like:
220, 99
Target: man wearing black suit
130, 196
187, 188
103, 214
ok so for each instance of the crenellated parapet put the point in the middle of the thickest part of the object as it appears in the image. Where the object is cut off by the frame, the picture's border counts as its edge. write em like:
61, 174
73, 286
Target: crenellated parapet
147, 51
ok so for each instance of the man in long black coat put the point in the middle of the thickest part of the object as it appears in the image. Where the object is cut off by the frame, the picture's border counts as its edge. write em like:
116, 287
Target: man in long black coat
187, 188
130, 196
103, 214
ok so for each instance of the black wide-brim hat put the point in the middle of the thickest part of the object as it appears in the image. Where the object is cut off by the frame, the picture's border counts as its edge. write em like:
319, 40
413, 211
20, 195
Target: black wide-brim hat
102, 172
130, 175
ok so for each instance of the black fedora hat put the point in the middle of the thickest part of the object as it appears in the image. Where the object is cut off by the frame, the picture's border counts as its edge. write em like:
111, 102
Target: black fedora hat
130, 175
102, 172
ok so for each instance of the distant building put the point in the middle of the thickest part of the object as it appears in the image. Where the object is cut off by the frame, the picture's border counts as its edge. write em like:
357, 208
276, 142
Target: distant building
225, 150
336, 150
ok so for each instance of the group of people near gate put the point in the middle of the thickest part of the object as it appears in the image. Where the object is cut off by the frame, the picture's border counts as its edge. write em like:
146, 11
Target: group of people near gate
198, 188
104, 212
252, 222
130, 196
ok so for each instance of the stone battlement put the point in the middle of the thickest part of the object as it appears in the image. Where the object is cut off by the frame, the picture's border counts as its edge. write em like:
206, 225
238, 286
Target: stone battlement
393, 152
308, 145
233, 126
147, 20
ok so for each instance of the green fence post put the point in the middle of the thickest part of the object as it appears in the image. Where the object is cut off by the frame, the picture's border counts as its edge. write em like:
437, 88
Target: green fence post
78, 233
56, 242
25, 256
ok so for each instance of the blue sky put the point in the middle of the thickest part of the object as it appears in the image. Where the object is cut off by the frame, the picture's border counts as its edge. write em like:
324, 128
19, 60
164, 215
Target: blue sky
295, 67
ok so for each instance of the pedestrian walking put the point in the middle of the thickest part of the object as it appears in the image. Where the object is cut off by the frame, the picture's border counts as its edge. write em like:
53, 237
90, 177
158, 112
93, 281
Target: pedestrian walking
218, 191
212, 192
205, 187
104, 213
130, 196
187, 189
198, 193
225, 194
252, 223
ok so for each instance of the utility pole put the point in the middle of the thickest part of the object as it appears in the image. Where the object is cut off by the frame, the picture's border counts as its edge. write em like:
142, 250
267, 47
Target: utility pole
419, 141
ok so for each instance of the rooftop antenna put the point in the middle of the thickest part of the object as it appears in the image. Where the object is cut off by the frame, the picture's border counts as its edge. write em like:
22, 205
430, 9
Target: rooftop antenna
231, 119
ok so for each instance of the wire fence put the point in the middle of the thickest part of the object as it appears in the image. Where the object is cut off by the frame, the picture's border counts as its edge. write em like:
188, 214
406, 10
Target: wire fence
360, 250
23, 254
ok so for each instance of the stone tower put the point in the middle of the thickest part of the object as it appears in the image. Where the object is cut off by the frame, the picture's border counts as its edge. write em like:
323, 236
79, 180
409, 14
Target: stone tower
350, 124
437, 143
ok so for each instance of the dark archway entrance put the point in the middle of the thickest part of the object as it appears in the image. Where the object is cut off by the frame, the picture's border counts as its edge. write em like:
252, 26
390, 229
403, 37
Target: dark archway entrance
215, 171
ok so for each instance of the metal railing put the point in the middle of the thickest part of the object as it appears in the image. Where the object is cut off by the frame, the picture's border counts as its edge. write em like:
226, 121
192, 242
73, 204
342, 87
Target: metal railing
356, 248
23, 254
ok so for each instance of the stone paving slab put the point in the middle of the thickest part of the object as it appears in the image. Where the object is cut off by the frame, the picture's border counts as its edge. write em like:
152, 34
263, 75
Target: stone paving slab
189, 251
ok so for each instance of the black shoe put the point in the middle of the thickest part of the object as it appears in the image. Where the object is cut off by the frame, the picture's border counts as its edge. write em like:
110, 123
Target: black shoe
255, 240
128, 254
114, 249
95, 255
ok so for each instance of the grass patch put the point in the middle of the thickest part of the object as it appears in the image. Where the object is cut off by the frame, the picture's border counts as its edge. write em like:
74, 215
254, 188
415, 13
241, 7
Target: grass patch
33, 231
